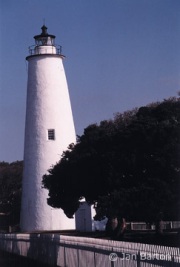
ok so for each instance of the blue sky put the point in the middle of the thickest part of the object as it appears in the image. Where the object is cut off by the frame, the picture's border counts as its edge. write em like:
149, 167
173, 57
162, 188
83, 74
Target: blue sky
120, 54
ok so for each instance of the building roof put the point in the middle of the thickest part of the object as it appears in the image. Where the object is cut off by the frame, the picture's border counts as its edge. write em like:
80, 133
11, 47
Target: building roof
44, 33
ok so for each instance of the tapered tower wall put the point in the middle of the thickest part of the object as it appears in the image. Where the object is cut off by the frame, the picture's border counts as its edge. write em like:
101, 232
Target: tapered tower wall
48, 132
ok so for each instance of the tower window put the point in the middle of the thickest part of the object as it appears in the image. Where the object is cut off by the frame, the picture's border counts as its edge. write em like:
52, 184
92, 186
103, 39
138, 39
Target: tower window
51, 134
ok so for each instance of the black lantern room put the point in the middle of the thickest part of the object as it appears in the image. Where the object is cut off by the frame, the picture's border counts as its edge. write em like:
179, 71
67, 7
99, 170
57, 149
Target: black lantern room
44, 38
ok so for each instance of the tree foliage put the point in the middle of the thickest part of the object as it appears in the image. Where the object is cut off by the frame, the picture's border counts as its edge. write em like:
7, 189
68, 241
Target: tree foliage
128, 166
10, 189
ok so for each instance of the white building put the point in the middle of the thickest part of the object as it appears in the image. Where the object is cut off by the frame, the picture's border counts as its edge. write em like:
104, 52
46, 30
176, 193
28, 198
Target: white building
84, 218
49, 130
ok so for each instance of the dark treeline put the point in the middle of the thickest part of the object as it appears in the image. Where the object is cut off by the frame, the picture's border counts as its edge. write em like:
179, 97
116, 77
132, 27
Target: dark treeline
10, 190
128, 166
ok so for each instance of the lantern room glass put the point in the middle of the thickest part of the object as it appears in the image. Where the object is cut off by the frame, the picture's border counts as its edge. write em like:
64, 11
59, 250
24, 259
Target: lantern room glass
45, 40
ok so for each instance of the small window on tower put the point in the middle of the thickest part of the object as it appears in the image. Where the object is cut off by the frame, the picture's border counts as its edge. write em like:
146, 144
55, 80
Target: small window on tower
51, 134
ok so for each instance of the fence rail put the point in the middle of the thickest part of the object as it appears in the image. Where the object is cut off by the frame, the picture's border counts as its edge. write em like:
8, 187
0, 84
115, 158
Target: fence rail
63, 251
145, 226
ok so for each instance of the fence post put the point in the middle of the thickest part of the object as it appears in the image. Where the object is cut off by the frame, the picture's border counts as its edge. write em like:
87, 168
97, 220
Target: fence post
64, 255
172, 261
94, 258
138, 259
112, 262
77, 255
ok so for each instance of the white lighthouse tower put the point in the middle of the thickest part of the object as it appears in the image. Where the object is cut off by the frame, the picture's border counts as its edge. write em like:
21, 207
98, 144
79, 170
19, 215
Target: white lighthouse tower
48, 132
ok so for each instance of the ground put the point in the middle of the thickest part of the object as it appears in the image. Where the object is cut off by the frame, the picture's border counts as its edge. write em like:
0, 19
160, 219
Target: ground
11, 260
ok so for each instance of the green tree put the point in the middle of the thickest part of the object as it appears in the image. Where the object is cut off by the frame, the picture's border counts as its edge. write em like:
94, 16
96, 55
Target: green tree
128, 166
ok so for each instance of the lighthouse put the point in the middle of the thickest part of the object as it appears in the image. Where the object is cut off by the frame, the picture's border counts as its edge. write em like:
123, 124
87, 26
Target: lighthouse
49, 129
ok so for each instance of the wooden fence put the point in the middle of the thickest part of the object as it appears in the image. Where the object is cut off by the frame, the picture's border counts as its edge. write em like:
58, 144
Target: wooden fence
70, 251
167, 225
